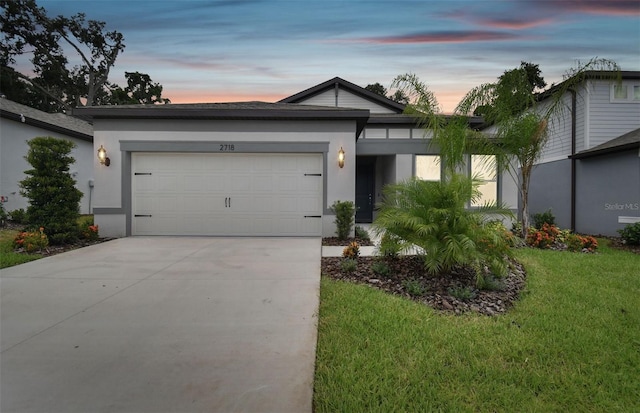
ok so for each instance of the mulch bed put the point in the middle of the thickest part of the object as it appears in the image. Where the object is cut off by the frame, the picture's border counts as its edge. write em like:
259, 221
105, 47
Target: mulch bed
337, 242
437, 290
406, 270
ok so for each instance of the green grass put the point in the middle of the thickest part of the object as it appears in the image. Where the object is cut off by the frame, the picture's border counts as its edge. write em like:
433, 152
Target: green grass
8, 258
571, 344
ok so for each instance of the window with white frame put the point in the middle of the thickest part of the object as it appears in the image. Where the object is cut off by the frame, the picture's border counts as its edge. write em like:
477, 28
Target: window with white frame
625, 92
484, 168
428, 167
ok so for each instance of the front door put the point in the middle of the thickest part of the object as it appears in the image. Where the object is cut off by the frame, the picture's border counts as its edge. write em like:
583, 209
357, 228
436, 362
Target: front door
365, 188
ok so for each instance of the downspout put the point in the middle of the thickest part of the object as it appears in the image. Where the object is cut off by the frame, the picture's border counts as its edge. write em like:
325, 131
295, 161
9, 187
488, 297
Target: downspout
573, 160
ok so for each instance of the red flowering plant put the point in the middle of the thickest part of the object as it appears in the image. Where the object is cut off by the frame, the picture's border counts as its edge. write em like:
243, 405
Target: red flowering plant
90, 232
585, 243
31, 241
545, 237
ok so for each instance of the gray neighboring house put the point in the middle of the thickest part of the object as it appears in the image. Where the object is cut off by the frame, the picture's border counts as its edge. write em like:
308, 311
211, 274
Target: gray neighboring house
20, 123
256, 168
589, 174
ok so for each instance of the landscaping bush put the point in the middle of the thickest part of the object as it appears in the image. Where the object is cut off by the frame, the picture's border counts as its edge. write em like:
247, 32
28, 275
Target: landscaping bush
3, 215
18, 216
578, 243
31, 241
381, 268
390, 246
349, 264
345, 216
545, 237
630, 234
53, 198
351, 251
542, 218
434, 216
362, 233
87, 229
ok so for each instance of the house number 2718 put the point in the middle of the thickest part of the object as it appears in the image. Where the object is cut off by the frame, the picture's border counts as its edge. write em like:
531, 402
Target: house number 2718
227, 148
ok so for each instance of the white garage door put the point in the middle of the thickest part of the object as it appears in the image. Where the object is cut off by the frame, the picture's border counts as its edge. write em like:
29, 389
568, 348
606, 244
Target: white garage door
227, 194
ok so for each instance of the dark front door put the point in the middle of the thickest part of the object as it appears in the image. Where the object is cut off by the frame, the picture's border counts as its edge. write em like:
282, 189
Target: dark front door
365, 187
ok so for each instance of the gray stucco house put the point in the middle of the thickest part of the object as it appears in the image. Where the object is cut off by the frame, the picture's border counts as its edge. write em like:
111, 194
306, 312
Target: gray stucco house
258, 169
20, 123
589, 174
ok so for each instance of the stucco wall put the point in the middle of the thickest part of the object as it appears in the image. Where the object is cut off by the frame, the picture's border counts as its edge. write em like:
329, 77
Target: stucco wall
109, 188
13, 148
608, 187
551, 189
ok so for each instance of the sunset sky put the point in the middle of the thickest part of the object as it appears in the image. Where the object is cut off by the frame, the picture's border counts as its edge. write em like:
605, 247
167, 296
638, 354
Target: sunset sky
240, 50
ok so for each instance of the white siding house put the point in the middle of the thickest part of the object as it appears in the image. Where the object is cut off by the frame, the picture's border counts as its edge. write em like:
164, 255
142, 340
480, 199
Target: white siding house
19, 124
592, 161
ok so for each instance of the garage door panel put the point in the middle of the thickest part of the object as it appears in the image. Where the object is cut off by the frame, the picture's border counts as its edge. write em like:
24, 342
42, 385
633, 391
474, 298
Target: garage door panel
226, 194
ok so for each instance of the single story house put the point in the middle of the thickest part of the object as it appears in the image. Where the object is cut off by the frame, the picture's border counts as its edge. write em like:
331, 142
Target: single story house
589, 172
19, 124
256, 168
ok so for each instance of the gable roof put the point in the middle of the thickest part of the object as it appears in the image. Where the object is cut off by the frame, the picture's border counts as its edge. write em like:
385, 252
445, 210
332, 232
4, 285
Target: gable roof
55, 122
630, 140
338, 82
226, 111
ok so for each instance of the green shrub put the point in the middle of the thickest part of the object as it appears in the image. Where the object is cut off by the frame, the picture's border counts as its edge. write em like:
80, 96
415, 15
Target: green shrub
349, 264
414, 287
577, 243
434, 217
462, 293
489, 283
390, 246
3, 215
381, 268
345, 215
54, 201
18, 216
362, 233
542, 218
630, 234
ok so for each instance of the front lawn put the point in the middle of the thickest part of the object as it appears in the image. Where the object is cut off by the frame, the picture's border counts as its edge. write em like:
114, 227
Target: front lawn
571, 344
9, 258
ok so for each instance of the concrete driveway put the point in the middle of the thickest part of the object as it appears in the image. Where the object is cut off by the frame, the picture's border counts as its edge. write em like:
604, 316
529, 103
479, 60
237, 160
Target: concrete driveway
162, 324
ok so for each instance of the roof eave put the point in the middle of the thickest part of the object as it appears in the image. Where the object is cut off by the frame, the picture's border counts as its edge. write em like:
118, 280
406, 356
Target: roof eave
45, 125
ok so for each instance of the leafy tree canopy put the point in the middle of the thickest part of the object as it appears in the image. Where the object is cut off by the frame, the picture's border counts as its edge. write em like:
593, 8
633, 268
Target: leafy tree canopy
54, 83
398, 96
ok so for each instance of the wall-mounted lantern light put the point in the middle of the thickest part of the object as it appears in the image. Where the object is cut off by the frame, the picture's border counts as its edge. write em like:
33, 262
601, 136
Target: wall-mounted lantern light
341, 158
102, 156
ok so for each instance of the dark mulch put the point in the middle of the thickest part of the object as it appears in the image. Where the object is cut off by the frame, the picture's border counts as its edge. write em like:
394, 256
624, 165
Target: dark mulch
407, 274
337, 242
617, 243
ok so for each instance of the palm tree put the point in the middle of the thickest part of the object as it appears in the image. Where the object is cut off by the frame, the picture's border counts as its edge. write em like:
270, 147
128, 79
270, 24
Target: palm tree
518, 109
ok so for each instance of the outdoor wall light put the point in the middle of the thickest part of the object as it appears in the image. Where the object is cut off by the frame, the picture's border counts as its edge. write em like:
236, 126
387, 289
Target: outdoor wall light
341, 158
102, 156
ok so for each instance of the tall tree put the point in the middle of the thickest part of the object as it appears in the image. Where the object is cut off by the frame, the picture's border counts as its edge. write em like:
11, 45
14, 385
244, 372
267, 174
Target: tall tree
521, 122
377, 88
26, 29
140, 89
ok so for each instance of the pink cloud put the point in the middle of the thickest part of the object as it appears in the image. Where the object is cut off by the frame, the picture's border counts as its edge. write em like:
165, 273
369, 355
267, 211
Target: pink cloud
513, 23
438, 37
610, 7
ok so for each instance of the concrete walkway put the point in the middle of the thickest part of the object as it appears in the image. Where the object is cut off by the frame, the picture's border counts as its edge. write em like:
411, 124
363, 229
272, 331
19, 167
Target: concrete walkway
162, 324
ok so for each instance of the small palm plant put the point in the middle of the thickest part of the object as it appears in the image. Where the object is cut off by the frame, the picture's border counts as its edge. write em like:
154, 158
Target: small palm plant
435, 217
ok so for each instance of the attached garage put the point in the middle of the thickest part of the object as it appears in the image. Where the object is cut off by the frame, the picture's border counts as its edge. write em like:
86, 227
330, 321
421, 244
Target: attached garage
222, 169
227, 194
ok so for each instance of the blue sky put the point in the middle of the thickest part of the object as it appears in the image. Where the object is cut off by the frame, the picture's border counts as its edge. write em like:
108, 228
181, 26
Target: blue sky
239, 50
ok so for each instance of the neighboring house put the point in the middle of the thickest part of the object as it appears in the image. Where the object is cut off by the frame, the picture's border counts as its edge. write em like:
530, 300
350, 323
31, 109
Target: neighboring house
255, 168
589, 174
18, 124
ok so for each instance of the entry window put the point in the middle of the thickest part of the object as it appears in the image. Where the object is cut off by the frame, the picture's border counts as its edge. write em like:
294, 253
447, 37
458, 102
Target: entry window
428, 167
484, 167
